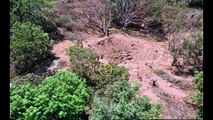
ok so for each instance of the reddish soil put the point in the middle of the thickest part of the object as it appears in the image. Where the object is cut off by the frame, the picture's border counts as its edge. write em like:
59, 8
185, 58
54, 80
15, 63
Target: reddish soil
142, 57
59, 50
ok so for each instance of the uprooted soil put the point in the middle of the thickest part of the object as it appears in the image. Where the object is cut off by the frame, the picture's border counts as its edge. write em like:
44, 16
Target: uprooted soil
149, 64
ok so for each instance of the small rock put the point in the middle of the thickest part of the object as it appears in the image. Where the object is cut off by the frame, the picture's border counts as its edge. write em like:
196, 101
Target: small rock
129, 58
154, 83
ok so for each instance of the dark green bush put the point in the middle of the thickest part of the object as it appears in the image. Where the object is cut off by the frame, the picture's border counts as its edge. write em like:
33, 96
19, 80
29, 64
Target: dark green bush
29, 45
101, 83
65, 21
198, 81
83, 60
28, 10
122, 102
61, 96
85, 63
30, 78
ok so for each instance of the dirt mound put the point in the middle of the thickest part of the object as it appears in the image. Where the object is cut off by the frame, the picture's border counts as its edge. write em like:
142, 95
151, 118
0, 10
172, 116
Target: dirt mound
142, 57
149, 64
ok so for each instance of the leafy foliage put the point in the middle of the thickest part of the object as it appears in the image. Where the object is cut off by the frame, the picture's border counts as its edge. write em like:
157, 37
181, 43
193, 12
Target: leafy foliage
30, 78
29, 45
85, 63
198, 81
172, 16
28, 10
61, 96
83, 60
197, 96
121, 101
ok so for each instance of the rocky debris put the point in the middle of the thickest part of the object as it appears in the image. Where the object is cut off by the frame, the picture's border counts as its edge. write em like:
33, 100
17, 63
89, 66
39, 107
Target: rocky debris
58, 65
180, 84
154, 83
102, 41
173, 108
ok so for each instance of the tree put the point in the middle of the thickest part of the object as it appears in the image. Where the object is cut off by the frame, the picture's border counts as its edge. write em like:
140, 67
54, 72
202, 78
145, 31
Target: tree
99, 15
127, 12
28, 10
29, 45
121, 101
61, 96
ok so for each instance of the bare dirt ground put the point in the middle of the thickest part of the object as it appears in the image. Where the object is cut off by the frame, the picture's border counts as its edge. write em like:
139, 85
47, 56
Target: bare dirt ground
59, 50
149, 64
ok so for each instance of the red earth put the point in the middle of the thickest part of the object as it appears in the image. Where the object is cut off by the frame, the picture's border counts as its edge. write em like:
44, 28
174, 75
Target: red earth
142, 57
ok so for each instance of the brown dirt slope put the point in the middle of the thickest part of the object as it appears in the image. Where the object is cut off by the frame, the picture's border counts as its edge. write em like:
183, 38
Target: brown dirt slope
149, 63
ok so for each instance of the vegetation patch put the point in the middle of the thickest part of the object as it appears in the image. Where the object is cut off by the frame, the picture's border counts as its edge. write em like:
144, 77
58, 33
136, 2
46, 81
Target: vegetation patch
61, 96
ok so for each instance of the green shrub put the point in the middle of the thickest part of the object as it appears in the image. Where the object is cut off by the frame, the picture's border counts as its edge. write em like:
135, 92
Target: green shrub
30, 78
197, 95
198, 81
71, 36
157, 7
174, 15
65, 21
29, 45
28, 10
190, 52
61, 96
83, 60
85, 64
121, 102
102, 82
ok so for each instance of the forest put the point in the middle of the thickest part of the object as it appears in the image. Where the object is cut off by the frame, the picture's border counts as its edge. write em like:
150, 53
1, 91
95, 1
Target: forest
106, 59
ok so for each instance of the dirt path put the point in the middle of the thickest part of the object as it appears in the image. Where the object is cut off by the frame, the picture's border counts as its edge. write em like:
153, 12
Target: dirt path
148, 63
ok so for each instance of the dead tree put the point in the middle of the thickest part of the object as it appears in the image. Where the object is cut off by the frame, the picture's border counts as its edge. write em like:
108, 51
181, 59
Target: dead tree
99, 15
129, 12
